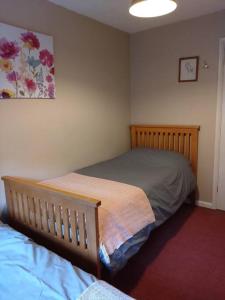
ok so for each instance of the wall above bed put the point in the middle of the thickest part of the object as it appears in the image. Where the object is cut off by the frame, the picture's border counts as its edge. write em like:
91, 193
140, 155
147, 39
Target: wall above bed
89, 119
156, 95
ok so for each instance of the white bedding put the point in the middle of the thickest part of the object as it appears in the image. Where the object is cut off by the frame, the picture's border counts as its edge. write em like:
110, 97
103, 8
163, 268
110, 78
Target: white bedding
30, 271
100, 290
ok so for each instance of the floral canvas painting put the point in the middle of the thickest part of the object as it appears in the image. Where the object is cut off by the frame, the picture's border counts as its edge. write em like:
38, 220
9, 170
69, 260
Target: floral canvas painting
26, 64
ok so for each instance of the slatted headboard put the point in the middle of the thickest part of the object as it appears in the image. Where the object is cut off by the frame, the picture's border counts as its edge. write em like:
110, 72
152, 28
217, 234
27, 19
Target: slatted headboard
182, 139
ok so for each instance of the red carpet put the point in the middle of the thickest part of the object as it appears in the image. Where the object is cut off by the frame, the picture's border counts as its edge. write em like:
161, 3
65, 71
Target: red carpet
183, 260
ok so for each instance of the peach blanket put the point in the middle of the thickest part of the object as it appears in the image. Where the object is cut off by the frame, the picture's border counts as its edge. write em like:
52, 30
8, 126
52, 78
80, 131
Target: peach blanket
124, 210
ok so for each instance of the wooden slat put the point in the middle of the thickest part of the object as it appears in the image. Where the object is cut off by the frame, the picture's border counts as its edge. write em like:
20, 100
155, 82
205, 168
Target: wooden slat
44, 216
181, 143
81, 229
156, 140
73, 224
161, 141
66, 224
37, 212
166, 141
58, 216
194, 150
187, 146
143, 137
92, 239
151, 134
51, 219
77, 228
139, 138
85, 232
20, 206
176, 142
147, 141
9, 199
171, 142
15, 205
26, 210
31, 208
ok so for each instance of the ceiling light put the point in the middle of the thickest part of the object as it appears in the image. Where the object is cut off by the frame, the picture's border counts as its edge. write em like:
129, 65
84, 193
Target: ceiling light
152, 8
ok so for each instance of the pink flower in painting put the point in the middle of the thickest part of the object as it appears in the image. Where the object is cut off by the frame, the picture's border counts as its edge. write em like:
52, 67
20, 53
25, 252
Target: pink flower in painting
8, 50
31, 85
49, 78
46, 58
30, 40
51, 90
13, 76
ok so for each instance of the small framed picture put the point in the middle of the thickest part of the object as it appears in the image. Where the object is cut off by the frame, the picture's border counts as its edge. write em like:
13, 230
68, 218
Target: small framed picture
188, 69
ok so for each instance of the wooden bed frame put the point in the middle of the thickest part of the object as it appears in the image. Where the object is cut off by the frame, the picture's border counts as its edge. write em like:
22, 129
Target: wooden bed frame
67, 223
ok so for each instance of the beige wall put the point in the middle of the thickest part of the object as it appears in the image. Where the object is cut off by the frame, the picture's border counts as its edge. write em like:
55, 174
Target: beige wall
157, 97
88, 121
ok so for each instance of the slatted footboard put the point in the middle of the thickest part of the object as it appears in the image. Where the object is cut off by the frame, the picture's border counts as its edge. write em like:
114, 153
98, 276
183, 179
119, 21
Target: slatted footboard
65, 222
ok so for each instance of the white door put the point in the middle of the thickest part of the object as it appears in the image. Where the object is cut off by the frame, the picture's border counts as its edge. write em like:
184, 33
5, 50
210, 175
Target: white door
220, 199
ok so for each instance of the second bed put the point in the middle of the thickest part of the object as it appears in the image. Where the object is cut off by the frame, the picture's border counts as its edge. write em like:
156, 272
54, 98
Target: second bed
162, 163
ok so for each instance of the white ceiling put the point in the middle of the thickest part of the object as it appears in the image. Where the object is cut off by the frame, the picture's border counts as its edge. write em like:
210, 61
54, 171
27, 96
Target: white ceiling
115, 12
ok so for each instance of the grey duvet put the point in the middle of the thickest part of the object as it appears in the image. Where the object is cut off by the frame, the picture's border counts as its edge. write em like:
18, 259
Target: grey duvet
166, 177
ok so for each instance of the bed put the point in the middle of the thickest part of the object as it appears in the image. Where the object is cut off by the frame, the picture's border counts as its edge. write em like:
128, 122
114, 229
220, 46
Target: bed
37, 209
30, 271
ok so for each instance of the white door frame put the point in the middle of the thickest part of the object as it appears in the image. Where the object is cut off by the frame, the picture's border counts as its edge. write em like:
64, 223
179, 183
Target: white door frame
220, 103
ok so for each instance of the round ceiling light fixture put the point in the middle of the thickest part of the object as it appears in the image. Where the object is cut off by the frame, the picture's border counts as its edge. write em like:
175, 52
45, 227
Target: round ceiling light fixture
152, 8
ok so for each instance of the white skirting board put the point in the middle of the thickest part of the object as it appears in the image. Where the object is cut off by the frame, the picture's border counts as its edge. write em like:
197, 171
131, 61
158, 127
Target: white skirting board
205, 204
